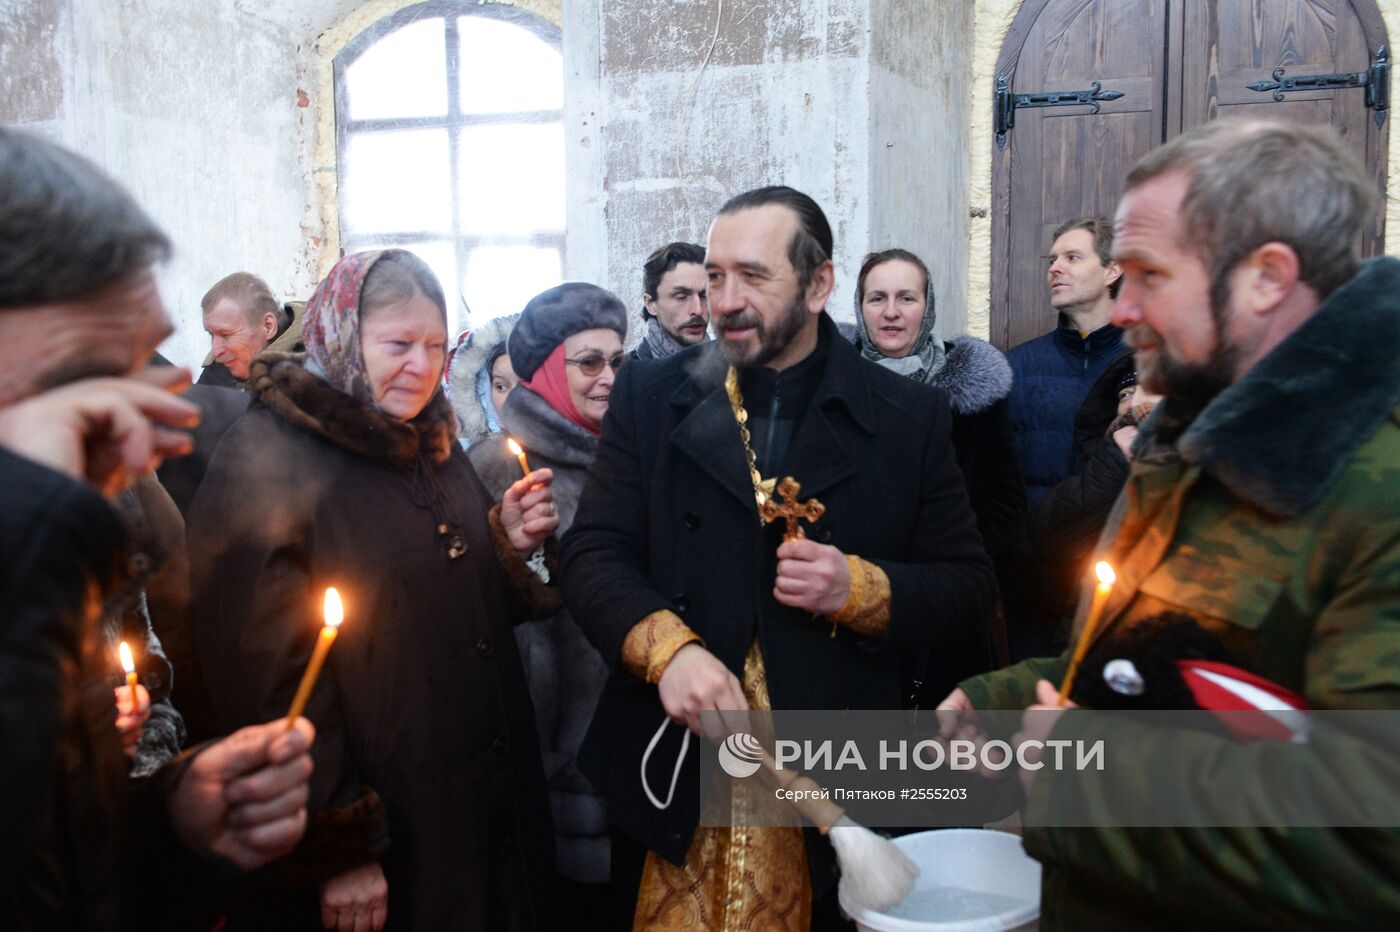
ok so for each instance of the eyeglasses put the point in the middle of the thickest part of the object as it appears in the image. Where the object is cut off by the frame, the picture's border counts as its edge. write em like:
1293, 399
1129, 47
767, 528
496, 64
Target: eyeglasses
593, 363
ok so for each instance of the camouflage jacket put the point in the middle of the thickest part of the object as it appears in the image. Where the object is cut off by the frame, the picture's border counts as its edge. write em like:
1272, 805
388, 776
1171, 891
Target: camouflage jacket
1273, 517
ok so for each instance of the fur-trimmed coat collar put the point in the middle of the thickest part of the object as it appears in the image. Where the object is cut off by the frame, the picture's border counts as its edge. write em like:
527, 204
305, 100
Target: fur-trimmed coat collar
282, 382
976, 375
531, 420
465, 369
1281, 435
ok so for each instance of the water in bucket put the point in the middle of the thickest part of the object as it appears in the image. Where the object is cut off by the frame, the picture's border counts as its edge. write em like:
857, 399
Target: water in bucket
970, 880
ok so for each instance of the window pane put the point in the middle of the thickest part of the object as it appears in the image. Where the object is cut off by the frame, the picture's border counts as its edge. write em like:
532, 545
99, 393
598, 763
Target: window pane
512, 178
500, 279
506, 68
404, 74
442, 259
396, 182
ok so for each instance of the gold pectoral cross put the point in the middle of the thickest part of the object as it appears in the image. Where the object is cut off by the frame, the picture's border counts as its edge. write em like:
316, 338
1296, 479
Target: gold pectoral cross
790, 510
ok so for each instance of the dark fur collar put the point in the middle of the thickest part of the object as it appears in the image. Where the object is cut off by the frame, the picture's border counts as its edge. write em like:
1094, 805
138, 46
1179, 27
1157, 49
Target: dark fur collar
1283, 434
281, 381
530, 419
976, 375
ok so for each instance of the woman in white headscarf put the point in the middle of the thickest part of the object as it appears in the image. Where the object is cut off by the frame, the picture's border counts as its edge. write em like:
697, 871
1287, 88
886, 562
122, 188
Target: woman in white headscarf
894, 329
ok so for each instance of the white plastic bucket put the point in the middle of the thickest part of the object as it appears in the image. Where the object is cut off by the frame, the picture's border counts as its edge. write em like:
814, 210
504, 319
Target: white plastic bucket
970, 880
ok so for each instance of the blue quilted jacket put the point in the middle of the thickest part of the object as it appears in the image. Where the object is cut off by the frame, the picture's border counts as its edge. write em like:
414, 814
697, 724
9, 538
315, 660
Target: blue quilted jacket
1051, 375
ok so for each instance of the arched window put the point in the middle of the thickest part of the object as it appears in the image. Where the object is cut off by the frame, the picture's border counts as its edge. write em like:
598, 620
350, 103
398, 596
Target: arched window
450, 143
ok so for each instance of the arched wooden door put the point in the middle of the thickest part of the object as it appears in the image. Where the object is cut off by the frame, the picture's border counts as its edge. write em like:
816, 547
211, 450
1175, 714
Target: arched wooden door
1089, 86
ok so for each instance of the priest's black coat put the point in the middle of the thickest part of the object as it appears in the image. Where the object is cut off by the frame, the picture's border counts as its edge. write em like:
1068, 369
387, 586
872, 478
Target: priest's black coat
668, 521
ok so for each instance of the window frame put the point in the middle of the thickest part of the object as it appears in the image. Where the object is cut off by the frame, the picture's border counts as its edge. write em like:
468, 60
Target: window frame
454, 121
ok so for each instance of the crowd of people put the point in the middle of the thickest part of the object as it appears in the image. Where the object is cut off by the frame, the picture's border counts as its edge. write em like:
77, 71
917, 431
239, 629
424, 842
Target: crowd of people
534, 633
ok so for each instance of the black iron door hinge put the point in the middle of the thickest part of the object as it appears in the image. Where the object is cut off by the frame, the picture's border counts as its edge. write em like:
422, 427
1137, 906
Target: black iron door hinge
1376, 81
1008, 103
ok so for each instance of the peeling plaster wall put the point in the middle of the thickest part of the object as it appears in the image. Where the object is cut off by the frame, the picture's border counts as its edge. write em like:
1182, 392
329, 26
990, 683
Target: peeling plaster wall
698, 100
918, 149
993, 21
35, 39
218, 116
191, 106
202, 110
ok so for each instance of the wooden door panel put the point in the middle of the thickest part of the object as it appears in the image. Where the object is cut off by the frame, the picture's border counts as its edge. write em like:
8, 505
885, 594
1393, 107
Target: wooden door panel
1229, 44
1275, 31
1292, 110
1087, 36
1178, 64
1065, 162
1083, 162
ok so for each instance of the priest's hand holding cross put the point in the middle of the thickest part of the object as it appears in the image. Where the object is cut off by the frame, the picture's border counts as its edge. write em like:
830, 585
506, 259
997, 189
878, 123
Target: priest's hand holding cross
811, 576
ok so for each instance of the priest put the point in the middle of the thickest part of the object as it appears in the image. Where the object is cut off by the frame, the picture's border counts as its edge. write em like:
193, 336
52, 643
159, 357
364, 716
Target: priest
698, 604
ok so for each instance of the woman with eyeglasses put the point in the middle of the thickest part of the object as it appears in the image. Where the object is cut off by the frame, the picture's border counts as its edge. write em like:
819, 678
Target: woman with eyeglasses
566, 348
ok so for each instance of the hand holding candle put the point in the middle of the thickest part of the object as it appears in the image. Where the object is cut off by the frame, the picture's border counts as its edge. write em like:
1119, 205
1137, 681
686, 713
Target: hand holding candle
519, 453
1091, 621
334, 614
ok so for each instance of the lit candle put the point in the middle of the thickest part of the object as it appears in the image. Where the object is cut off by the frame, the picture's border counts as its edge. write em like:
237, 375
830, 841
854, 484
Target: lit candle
334, 613
129, 665
519, 453
1091, 621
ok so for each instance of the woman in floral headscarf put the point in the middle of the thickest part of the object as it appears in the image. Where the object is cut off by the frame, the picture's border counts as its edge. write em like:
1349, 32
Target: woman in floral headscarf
346, 472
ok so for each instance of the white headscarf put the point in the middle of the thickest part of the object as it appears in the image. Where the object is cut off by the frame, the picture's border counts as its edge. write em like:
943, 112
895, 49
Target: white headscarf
925, 358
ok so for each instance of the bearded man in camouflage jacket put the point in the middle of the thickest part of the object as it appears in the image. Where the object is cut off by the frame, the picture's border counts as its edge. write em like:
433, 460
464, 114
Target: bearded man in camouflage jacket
1264, 502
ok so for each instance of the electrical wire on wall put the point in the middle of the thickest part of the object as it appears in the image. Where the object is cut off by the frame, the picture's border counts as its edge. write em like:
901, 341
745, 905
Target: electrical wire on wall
683, 123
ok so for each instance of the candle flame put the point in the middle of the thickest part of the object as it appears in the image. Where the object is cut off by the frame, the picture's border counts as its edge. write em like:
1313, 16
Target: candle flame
515, 448
124, 652
1105, 573
334, 611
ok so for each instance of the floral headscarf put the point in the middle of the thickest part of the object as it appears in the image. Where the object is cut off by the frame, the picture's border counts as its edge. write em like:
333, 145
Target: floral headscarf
332, 329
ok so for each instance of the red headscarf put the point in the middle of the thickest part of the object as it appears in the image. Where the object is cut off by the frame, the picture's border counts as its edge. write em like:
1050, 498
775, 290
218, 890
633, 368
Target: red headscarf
551, 382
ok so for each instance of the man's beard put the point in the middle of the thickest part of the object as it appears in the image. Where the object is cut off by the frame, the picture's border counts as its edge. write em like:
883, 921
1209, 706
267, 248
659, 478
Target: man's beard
770, 343
1193, 384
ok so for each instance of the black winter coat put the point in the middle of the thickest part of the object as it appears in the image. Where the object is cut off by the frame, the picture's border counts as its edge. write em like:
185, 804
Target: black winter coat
85, 848
422, 698
668, 521
219, 407
1066, 523
977, 378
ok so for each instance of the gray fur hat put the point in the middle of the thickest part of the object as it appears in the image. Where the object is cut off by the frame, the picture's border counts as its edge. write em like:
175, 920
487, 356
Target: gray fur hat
560, 312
